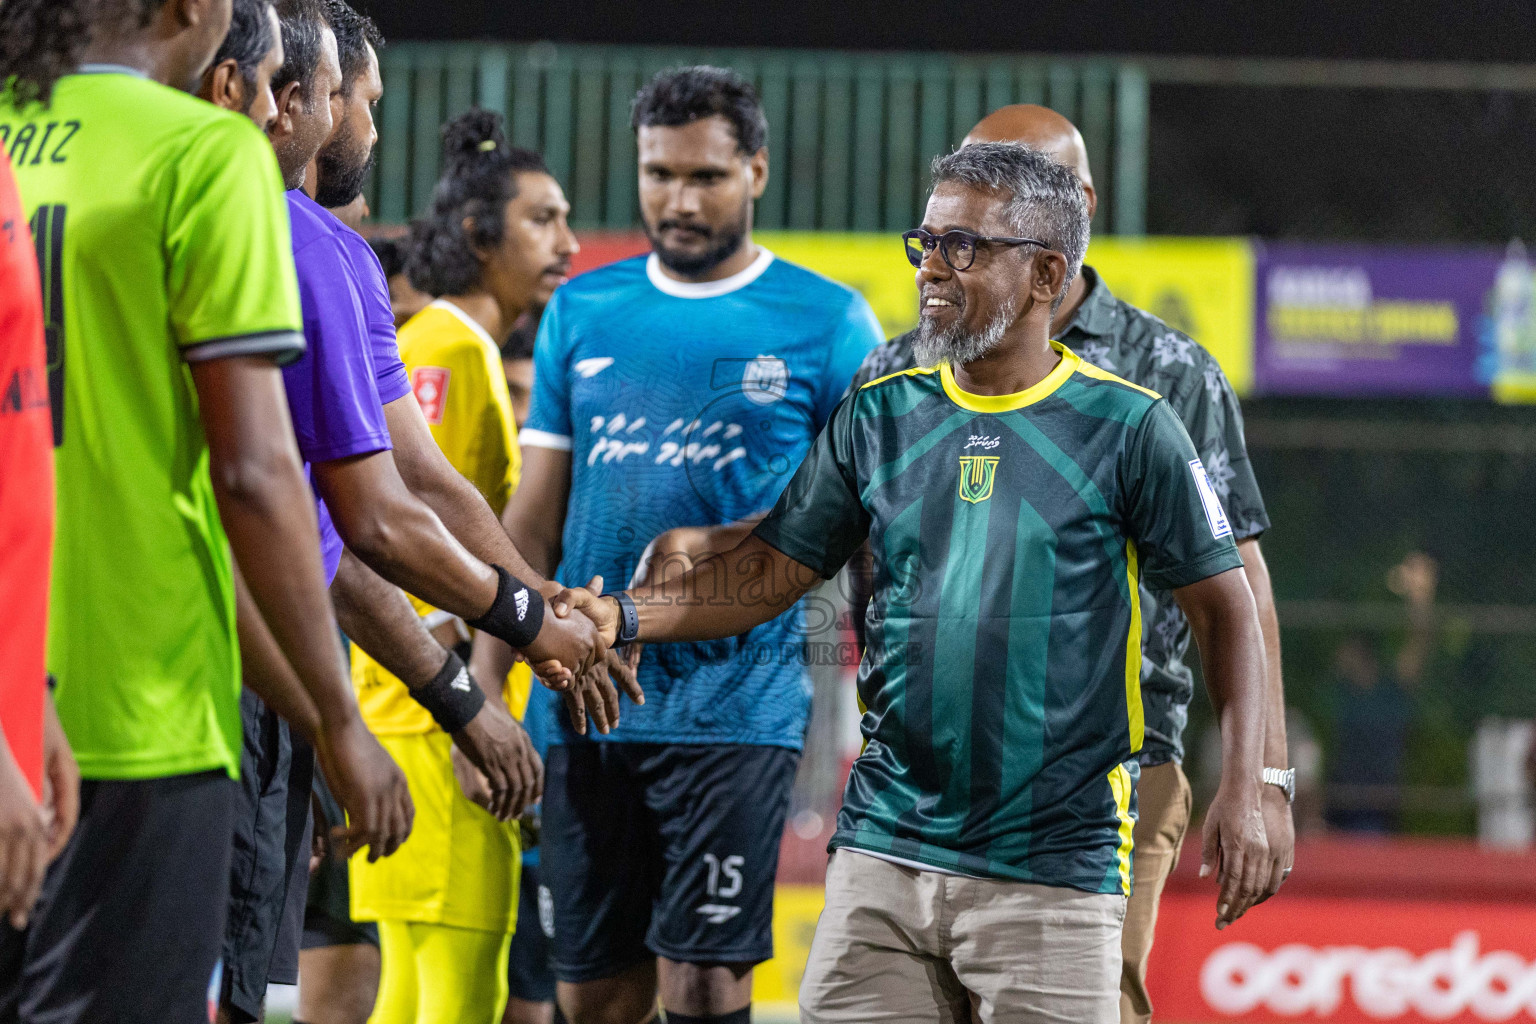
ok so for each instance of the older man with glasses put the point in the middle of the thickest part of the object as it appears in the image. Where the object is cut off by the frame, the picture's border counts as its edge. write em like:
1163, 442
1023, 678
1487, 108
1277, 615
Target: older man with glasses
1014, 496
1116, 336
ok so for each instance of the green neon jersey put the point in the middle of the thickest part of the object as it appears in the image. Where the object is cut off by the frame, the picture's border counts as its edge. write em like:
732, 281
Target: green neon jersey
162, 238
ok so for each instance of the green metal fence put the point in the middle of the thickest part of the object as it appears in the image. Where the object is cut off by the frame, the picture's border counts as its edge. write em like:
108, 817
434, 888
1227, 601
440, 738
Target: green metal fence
850, 135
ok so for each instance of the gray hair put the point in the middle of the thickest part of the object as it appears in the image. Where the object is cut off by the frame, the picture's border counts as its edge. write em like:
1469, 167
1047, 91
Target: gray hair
1046, 200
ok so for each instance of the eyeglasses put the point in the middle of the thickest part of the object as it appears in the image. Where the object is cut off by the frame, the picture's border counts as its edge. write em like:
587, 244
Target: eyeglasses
957, 247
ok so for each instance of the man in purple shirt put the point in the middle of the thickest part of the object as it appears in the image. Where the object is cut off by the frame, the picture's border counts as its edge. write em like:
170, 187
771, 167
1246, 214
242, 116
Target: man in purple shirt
343, 435
374, 613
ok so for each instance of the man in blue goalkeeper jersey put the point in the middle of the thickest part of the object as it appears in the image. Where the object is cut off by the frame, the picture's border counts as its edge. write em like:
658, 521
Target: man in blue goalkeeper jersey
678, 390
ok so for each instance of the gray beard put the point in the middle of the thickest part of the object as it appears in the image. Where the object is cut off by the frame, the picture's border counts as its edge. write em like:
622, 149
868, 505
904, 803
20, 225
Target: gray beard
955, 345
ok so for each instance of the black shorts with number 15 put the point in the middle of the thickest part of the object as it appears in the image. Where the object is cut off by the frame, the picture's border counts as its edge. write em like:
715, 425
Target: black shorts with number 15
662, 850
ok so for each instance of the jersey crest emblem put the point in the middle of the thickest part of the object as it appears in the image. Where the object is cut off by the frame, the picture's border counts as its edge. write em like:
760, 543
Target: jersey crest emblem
765, 380
976, 475
430, 385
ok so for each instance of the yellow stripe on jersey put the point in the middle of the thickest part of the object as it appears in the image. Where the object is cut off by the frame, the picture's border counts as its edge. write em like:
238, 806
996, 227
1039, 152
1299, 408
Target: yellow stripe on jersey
1135, 715
1120, 786
914, 371
456, 375
1087, 369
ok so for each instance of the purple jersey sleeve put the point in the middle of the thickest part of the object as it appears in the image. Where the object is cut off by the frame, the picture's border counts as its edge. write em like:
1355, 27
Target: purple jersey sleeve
332, 394
388, 369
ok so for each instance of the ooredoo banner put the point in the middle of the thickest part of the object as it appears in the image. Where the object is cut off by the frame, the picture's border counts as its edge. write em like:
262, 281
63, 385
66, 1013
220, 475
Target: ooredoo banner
1344, 961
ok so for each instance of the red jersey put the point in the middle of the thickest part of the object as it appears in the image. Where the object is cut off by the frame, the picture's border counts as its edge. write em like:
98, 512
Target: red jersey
26, 488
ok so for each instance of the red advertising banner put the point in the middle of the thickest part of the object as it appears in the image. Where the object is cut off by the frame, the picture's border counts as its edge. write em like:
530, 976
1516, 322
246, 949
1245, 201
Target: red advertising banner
1346, 960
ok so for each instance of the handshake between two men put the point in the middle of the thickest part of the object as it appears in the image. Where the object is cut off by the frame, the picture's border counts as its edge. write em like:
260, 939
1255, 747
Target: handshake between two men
583, 646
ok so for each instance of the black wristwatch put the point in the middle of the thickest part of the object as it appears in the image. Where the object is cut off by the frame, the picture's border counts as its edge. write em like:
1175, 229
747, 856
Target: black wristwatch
629, 619
1285, 778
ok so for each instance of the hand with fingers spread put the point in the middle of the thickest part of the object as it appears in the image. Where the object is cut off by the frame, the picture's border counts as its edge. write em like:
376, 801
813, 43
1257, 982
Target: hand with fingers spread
594, 697
369, 786
496, 765
1234, 848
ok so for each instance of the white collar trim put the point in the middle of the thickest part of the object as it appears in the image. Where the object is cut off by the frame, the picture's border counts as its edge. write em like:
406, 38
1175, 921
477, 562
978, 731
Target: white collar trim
466, 319
706, 289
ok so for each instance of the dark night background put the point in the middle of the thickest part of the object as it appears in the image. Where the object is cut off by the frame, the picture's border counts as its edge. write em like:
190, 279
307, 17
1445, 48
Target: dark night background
1386, 165
1492, 30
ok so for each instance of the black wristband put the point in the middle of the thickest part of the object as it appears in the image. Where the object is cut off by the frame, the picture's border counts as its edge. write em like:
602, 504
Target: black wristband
452, 698
629, 620
516, 615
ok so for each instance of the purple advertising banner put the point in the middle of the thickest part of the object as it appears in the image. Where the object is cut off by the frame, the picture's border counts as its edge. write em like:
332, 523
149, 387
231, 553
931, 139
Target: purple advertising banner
1378, 320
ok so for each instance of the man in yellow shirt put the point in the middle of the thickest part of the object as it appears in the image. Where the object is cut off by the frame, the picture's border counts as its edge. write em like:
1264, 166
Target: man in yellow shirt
495, 243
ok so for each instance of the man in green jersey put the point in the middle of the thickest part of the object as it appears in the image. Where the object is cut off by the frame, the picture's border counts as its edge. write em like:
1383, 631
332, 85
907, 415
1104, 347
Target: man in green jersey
1136, 345
169, 297
1014, 497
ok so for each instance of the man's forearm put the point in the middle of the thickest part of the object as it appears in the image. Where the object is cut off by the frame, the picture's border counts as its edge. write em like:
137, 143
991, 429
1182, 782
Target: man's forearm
462, 509
723, 596
1257, 573
284, 596
378, 617
1226, 627
268, 514
402, 540
264, 669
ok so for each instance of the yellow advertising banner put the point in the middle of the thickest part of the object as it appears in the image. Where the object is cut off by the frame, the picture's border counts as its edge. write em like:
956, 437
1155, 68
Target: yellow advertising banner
1202, 286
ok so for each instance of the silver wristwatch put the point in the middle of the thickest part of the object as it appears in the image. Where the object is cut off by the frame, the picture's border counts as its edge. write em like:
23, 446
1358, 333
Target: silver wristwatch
1285, 778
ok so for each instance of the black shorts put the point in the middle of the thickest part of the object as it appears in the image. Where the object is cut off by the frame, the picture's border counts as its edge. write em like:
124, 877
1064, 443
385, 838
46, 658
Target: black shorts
269, 872
327, 908
530, 974
662, 850
131, 918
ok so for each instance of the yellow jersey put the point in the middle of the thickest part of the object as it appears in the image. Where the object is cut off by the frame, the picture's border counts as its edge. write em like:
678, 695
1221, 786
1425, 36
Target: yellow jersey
456, 375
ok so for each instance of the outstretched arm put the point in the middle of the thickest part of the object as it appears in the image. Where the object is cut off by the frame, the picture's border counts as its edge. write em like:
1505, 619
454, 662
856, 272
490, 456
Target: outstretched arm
464, 512
1221, 614
1279, 827
378, 618
404, 541
269, 516
724, 595
534, 520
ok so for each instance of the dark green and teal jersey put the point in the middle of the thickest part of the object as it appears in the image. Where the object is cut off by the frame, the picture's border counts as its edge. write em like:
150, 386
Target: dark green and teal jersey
1116, 336
1002, 678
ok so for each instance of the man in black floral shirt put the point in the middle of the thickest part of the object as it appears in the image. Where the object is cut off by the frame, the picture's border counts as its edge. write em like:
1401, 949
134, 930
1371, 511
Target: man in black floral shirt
1139, 347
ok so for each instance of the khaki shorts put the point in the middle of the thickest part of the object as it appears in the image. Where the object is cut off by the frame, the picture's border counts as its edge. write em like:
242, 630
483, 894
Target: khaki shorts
897, 945
1163, 806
